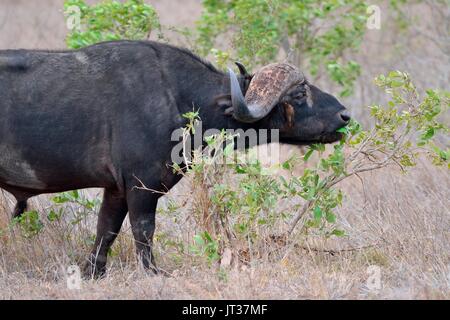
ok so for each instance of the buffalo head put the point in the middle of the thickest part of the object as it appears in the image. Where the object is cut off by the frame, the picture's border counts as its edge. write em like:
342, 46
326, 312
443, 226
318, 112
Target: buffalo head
279, 97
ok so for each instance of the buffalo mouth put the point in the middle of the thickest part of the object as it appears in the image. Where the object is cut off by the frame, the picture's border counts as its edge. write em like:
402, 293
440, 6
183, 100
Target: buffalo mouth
331, 137
326, 137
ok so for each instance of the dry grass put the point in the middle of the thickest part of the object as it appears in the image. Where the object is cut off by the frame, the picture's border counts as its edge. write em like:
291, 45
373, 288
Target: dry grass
398, 222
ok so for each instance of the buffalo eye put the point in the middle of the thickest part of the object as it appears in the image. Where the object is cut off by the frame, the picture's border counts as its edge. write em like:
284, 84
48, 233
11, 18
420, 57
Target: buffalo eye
297, 93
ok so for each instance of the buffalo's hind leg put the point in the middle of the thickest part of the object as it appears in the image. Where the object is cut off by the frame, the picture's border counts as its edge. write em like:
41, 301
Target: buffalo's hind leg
110, 219
20, 208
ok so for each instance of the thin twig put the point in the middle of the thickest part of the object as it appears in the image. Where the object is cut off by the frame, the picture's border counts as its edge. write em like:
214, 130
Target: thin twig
143, 187
333, 252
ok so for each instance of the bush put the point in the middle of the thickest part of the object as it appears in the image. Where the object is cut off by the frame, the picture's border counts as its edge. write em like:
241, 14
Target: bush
237, 205
314, 35
109, 20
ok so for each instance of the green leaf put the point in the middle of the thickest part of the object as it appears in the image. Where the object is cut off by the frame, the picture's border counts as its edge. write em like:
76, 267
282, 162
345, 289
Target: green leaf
330, 217
286, 165
429, 133
229, 148
308, 154
343, 130
199, 240
318, 213
338, 233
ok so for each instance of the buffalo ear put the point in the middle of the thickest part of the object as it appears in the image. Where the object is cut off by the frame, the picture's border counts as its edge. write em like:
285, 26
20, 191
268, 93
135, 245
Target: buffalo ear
289, 113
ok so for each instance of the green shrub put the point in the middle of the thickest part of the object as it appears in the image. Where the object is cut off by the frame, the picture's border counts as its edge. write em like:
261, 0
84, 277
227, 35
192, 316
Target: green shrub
110, 20
30, 224
236, 204
315, 35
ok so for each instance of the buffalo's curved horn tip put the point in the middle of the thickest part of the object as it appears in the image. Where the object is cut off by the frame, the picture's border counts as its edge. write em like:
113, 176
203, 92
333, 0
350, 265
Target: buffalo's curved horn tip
240, 110
242, 69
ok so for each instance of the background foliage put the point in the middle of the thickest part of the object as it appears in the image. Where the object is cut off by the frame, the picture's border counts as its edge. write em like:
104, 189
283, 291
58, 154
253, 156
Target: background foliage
109, 20
313, 35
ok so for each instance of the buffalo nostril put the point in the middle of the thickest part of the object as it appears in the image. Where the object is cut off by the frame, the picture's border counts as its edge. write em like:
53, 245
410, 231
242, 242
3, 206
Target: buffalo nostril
345, 116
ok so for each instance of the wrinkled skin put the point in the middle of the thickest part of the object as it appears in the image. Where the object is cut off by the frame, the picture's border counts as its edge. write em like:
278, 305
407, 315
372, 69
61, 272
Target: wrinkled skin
103, 116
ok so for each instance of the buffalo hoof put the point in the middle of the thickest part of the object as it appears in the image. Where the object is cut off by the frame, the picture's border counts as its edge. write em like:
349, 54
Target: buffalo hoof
93, 270
151, 270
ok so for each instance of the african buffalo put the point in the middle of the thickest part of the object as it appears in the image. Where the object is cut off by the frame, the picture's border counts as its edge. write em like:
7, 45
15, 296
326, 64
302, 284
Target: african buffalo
103, 115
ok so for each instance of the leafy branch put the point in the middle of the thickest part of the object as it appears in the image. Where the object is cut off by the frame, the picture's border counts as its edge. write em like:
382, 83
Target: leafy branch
314, 35
402, 133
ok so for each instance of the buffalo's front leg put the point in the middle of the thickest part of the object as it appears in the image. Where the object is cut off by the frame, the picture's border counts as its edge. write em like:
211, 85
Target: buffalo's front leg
142, 208
110, 219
